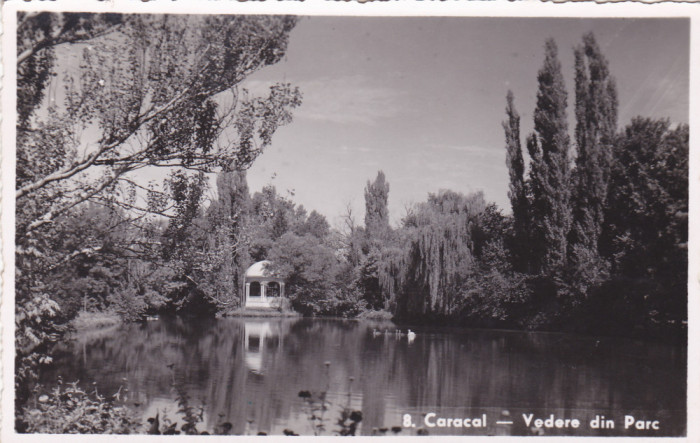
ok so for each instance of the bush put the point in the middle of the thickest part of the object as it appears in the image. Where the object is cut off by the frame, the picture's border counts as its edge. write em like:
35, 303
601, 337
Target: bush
70, 410
376, 315
95, 320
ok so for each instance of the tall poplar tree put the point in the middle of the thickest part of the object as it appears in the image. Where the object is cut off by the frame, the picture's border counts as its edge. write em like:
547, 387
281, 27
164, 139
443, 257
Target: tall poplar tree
376, 240
376, 206
596, 124
550, 191
516, 192
229, 216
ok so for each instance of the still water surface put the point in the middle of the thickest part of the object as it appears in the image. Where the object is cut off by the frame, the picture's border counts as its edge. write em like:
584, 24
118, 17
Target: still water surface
250, 371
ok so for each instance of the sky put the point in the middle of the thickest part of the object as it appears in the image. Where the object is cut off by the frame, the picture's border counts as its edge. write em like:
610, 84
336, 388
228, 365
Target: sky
422, 99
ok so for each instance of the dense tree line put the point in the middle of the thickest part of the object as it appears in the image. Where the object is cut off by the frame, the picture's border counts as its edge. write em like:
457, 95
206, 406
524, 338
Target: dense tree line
588, 218
597, 237
596, 241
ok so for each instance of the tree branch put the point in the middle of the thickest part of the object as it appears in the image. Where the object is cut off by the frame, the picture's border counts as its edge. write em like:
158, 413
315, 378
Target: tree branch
50, 215
72, 255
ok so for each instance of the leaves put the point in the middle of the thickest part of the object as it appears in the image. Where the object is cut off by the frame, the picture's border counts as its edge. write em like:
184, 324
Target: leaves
140, 91
549, 191
70, 410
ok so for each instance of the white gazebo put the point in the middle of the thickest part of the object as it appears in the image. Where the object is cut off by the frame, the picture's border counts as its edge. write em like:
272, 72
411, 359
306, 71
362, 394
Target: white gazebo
263, 289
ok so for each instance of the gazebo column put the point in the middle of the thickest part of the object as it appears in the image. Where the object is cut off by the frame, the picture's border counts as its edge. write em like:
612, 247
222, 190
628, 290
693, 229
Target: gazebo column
263, 290
281, 289
247, 292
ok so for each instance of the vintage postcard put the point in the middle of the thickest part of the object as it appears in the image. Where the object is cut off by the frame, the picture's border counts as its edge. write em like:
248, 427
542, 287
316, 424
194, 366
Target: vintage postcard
339, 219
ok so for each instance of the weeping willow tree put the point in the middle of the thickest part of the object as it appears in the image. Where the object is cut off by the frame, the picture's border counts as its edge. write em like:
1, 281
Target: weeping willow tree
439, 256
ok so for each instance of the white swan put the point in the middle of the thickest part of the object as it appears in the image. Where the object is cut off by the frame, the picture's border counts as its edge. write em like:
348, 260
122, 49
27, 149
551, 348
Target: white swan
411, 335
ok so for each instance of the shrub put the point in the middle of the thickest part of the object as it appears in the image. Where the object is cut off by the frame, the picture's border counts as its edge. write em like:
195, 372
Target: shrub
70, 410
95, 320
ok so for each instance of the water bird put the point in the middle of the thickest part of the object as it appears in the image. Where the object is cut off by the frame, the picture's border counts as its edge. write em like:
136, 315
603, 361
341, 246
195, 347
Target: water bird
411, 335
375, 332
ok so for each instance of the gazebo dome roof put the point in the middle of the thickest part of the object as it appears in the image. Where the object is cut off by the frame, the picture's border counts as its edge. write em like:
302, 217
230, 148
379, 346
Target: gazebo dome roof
259, 270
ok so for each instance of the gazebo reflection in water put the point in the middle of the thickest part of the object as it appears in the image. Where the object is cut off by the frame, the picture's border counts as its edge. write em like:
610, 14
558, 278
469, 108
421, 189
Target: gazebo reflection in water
263, 337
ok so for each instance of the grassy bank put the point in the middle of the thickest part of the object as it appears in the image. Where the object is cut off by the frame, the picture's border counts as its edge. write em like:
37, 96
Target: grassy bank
95, 320
243, 312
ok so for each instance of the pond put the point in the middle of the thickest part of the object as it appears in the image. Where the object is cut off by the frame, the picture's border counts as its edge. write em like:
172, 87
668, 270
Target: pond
250, 372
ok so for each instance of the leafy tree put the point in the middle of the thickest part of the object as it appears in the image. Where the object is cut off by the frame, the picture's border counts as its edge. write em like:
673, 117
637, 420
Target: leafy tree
494, 293
316, 225
439, 255
368, 279
156, 91
152, 97
228, 220
185, 245
596, 126
376, 207
549, 172
309, 269
38, 35
646, 235
517, 192
273, 215
372, 282
88, 280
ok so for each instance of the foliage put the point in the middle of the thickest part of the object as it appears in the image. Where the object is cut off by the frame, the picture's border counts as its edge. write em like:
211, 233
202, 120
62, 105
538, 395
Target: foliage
348, 421
71, 410
145, 91
440, 255
309, 269
35, 332
373, 250
316, 405
38, 35
596, 125
493, 298
604, 241
549, 172
517, 192
151, 96
95, 320
228, 242
618, 248
376, 209
647, 218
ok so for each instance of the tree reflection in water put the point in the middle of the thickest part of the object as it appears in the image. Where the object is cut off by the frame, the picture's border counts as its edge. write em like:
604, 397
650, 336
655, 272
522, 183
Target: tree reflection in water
252, 372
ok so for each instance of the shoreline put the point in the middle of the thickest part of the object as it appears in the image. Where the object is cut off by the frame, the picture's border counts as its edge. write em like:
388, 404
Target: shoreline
91, 321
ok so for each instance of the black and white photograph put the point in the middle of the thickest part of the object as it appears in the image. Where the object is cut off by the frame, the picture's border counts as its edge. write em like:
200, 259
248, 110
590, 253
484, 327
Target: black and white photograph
289, 224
